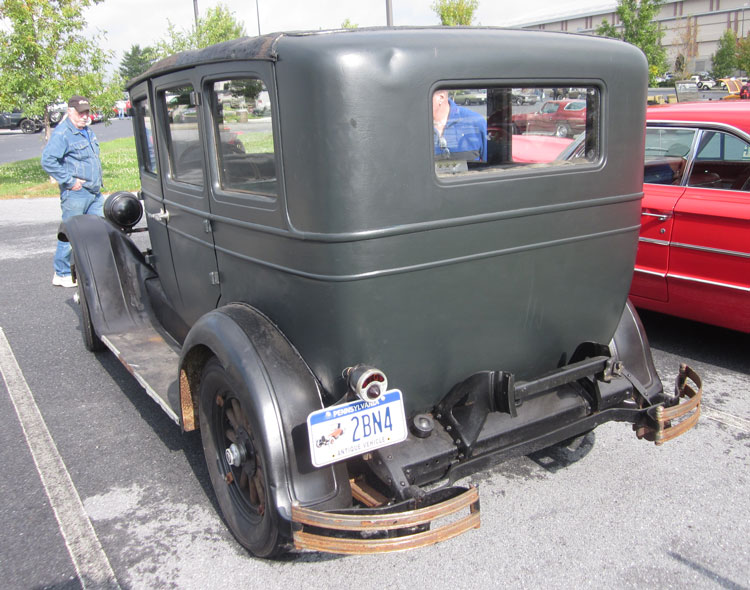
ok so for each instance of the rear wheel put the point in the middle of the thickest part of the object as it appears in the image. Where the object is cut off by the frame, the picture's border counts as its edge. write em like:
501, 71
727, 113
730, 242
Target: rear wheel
28, 126
562, 130
238, 462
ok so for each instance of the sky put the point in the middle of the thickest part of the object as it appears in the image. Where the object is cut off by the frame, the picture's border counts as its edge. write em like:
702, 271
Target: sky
127, 22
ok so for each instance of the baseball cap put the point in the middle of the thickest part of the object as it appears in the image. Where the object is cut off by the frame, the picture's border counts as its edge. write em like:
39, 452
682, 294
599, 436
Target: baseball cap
79, 103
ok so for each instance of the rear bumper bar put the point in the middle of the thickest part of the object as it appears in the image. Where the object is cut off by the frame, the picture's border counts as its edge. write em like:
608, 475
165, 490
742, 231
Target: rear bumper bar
665, 423
391, 528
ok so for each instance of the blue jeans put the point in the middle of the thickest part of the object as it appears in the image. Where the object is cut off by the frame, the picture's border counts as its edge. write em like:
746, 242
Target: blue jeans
72, 203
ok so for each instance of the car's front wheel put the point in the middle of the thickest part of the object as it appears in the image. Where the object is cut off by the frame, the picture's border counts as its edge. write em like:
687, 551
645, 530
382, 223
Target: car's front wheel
91, 341
237, 461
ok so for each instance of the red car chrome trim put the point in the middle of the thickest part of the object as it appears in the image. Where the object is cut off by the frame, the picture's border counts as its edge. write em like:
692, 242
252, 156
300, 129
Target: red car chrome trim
653, 241
651, 272
712, 250
705, 282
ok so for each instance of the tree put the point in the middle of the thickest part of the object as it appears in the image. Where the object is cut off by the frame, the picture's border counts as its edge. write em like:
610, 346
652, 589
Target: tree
640, 28
743, 54
725, 59
687, 36
44, 58
218, 25
347, 24
136, 61
455, 12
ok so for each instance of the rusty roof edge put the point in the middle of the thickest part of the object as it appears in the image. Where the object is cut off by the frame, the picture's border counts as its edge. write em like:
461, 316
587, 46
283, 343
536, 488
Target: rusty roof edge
262, 47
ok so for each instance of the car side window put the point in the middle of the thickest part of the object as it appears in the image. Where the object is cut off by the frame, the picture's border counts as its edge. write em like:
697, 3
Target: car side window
243, 131
666, 154
146, 134
722, 161
183, 135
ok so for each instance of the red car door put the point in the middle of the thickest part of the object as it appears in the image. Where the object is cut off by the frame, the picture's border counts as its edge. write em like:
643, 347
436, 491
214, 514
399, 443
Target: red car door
709, 261
667, 151
652, 260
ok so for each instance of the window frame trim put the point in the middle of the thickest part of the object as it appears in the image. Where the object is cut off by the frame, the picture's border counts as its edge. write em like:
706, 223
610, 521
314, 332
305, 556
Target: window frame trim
447, 181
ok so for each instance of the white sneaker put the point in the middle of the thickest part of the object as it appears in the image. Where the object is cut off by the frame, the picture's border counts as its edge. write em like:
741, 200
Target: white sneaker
66, 281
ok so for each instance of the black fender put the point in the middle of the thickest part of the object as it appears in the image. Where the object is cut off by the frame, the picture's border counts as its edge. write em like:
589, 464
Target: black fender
112, 272
282, 391
630, 345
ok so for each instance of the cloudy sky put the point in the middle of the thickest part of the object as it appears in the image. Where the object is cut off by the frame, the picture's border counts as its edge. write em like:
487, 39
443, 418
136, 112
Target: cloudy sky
127, 22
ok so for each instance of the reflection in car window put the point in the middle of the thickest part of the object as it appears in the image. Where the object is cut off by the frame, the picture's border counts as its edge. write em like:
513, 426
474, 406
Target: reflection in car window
183, 136
145, 131
501, 128
721, 162
666, 154
242, 122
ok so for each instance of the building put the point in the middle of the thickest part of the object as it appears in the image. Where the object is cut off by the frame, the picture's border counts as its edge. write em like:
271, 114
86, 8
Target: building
691, 27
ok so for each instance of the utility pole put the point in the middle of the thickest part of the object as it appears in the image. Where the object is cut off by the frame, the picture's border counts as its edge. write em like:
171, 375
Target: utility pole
257, 14
195, 10
388, 13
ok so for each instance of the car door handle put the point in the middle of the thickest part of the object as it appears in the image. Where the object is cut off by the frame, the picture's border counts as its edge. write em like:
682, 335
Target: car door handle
660, 216
161, 216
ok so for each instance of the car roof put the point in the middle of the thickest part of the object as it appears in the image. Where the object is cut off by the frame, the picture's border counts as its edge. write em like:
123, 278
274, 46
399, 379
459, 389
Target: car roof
735, 113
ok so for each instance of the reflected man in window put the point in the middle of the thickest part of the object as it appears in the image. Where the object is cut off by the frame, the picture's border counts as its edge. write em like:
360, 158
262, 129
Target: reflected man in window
459, 133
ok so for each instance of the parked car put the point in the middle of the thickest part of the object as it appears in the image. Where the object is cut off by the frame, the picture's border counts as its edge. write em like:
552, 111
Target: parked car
57, 112
18, 120
470, 96
354, 311
520, 98
703, 81
694, 249
564, 118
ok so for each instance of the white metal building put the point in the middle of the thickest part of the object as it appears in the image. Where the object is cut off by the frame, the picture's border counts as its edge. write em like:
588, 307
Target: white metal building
701, 21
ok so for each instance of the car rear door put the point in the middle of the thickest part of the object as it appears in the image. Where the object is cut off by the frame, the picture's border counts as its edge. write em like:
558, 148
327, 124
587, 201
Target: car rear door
186, 209
709, 263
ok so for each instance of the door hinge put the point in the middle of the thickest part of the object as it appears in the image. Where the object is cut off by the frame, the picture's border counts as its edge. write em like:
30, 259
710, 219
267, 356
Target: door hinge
207, 226
214, 277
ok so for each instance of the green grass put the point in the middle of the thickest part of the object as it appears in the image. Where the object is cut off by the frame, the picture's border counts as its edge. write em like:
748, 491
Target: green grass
257, 143
26, 179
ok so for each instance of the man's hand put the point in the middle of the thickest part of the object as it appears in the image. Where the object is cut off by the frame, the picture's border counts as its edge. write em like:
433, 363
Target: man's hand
77, 185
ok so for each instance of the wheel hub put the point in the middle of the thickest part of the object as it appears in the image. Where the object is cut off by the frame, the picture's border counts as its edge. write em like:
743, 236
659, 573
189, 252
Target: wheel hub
236, 454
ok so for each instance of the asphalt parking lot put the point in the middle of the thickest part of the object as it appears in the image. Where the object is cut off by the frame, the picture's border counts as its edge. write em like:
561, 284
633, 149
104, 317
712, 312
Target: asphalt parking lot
15, 145
616, 512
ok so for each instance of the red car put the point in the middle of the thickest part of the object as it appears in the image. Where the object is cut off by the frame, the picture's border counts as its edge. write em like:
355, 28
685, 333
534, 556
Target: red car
694, 250
563, 118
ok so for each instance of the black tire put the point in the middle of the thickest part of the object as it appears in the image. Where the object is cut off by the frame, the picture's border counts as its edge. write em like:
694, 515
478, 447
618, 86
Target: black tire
242, 491
562, 130
28, 126
91, 341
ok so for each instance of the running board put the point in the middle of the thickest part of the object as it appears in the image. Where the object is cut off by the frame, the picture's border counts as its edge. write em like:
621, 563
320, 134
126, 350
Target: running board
152, 361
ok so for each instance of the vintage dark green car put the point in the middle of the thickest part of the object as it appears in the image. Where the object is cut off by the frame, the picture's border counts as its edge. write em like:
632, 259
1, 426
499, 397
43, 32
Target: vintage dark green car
360, 298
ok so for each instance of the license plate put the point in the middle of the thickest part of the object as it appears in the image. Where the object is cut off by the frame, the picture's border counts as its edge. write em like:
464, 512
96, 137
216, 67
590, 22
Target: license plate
350, 429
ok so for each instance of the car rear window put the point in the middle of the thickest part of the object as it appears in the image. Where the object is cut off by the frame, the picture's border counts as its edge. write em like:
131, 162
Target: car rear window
496, 129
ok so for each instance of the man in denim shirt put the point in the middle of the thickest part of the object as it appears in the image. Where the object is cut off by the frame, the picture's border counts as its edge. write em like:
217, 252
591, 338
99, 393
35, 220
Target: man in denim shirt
71, 157
459, 132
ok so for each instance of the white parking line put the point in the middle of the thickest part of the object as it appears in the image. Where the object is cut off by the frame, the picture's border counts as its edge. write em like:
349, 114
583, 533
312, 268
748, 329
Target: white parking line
724, 418
90, 561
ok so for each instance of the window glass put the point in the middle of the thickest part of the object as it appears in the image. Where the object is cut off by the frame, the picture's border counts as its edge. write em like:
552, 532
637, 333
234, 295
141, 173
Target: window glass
183, 136
145, 131
242, 123
722, 161
666, 154
501, 128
